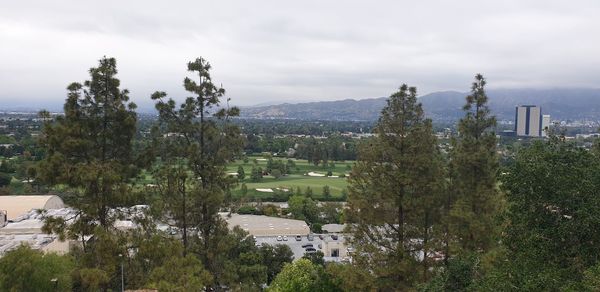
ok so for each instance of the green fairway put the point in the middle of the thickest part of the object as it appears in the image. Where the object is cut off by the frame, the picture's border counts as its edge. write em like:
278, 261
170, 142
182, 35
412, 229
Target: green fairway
296, 179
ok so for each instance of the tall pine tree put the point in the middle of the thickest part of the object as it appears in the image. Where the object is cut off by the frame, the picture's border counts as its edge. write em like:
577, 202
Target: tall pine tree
198, 141
89, 150
473, 198
392, 194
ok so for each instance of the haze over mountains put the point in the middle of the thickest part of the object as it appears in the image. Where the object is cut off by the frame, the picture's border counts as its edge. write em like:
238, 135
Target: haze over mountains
560, 103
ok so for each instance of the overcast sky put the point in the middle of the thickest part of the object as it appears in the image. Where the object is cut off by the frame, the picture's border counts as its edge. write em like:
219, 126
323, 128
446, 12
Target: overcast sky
293, 51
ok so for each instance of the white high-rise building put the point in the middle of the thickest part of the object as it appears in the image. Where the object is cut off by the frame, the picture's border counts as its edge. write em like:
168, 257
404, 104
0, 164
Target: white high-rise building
545, 125
530, 122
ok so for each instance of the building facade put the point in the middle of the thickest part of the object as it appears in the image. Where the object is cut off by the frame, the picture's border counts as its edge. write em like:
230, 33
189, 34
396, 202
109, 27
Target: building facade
530, 122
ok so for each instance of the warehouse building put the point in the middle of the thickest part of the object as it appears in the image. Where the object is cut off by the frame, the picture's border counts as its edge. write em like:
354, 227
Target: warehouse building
21, 223
15, 206
258, 225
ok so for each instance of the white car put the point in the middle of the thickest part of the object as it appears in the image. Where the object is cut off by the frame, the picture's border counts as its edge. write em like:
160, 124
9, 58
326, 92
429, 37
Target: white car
279, 238
285, 238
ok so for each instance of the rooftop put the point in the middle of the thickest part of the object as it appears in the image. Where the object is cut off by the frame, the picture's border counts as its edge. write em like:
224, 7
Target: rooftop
16, 206
264, 225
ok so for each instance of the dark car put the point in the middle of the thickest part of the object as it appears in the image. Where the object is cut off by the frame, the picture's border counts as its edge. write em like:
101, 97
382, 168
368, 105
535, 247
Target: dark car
334, 237
307, 245
321, 236
310, 250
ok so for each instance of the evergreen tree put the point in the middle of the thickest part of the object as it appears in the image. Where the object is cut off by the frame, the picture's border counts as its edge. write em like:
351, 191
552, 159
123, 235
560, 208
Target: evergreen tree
5, 179
206, 141
473, 199
244, 189
326, 192
276, 173
308, 192
89, 150
393, 194
255, 175
240, 173
274, 257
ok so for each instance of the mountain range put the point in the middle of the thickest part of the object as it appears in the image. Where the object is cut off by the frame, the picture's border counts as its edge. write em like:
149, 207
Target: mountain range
559, 103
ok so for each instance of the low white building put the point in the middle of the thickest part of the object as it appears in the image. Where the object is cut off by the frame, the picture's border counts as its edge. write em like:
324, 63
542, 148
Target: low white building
16, 206
27, 229
259, 225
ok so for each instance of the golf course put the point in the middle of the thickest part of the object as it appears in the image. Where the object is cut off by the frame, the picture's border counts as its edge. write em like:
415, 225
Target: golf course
303, 175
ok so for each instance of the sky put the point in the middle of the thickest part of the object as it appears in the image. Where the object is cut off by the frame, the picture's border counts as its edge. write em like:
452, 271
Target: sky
297, 51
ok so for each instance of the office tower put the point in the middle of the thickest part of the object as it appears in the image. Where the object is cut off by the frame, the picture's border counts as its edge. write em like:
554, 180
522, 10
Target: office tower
528, 121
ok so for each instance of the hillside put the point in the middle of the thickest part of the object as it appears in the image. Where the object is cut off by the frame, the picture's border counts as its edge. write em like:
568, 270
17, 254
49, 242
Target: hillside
562, 103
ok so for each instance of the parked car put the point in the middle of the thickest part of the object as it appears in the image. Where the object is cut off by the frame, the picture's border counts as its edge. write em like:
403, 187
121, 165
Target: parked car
310, 250
279, 238
310, 237
334, 237
298, 238
307, 245
285, 238
321, 236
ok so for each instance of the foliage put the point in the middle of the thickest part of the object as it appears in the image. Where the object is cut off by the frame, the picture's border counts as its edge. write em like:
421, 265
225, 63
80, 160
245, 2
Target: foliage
316, 258
5, 179
194, 150
301, 276
274, 258
457, 276
89, 149
89, 152
240, 173
244, 189
24, 269
326, 192
276, 173
394, 197
303, 208
180, 274
473, 200
256, 174
552, 192
348, 277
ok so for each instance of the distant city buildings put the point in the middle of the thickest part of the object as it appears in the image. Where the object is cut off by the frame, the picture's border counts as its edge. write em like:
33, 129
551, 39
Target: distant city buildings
529, 121
545, 125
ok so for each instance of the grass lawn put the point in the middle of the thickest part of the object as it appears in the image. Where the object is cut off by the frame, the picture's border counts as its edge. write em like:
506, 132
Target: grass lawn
290, 182
295, 179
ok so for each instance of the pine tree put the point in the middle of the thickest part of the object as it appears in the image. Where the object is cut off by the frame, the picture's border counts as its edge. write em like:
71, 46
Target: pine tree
240, 173
326, 192
89, 150
308, 192
393, 192
207, 142
473, 199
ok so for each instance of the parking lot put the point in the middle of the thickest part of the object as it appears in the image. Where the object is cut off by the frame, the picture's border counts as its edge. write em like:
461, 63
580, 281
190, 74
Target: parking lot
296, 246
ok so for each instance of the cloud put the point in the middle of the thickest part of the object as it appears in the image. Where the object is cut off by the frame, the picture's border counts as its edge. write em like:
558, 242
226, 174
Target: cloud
264, 51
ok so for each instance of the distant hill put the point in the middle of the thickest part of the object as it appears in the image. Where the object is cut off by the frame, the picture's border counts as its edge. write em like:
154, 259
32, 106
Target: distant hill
347, 109
561, 103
